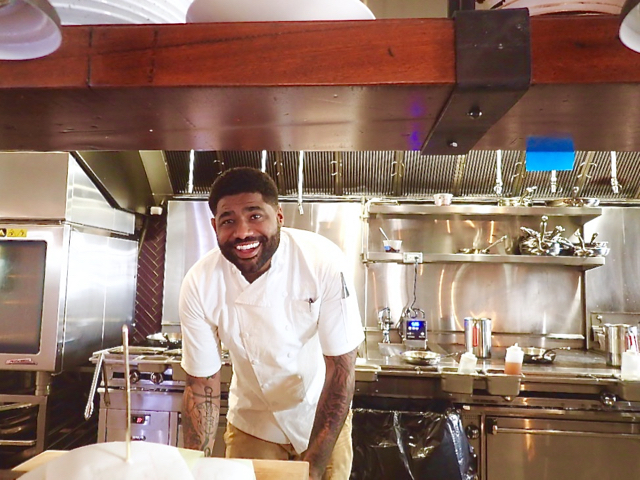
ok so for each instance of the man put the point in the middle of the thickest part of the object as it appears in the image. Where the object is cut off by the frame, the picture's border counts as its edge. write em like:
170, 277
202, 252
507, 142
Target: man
279, 300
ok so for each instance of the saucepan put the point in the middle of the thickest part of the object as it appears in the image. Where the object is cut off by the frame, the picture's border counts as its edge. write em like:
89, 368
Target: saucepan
541, 355
424, 357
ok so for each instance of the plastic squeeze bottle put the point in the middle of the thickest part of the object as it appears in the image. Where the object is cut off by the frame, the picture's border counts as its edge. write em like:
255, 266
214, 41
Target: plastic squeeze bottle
513, 360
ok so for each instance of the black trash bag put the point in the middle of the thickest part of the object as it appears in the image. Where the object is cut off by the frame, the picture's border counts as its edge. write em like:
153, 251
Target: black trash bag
397, 445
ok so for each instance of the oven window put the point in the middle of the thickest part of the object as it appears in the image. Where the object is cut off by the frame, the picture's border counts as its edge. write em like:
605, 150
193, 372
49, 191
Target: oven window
22, 264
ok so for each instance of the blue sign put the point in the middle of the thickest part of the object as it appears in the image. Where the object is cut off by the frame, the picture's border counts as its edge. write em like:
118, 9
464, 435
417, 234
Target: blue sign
549, 153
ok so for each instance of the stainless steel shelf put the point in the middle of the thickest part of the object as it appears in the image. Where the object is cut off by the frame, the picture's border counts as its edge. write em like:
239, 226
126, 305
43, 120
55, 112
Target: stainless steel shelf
585, 213
584, 263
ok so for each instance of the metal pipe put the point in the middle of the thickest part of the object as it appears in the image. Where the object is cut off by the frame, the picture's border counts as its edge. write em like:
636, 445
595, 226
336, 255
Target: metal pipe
127, 382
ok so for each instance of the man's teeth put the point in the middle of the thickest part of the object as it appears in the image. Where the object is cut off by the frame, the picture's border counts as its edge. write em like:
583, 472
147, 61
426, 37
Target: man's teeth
248, 246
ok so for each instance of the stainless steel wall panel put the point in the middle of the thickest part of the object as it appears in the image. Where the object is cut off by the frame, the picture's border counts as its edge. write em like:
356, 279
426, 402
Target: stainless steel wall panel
121, 275
190, 236
520, 299
87, 206
100, 294
615, 287
33, 185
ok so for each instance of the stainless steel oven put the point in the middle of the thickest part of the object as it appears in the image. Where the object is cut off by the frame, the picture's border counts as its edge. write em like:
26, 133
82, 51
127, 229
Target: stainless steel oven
67, 264
65, 291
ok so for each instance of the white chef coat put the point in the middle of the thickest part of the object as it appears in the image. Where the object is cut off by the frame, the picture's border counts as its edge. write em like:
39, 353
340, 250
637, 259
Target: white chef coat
277, 330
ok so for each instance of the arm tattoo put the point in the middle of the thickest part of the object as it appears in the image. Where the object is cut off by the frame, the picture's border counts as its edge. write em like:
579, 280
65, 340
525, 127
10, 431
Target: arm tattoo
200, 413
332, 411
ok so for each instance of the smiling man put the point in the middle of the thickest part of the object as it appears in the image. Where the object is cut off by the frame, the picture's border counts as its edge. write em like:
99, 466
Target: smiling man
279, 300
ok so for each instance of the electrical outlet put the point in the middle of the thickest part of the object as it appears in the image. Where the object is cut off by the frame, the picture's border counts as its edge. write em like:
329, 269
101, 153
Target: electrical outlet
411, 257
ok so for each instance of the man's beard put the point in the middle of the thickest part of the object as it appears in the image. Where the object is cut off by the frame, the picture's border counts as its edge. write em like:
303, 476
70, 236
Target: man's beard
253, 265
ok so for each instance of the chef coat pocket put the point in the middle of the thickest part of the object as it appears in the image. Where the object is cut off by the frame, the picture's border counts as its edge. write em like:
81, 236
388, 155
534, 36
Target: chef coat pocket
304, 317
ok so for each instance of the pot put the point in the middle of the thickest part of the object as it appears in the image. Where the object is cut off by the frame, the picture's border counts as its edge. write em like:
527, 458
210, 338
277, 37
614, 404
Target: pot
540, 356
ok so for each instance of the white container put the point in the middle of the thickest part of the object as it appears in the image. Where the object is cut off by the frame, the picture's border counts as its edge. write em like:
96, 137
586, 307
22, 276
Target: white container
392, 246
443, 199
513, 360
467, 363
630, 369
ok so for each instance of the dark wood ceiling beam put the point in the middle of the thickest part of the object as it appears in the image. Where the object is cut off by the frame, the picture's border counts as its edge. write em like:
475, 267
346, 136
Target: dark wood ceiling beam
367, 85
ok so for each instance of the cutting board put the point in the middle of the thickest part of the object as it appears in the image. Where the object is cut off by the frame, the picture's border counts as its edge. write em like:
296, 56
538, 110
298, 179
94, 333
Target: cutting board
264, 469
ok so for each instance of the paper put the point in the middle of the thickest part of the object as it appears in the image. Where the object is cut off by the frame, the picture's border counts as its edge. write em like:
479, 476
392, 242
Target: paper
223, 469
107, 461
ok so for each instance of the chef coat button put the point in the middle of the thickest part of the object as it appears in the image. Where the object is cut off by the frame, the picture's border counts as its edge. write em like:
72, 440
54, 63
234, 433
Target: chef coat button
286, 327
253, 362
289, 355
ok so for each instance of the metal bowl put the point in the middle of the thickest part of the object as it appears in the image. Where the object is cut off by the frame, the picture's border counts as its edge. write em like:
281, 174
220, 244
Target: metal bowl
421, 357
515, 202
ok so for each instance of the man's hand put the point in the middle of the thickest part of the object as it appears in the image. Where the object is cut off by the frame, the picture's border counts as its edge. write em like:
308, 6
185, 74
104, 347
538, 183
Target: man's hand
333, 407
200, 412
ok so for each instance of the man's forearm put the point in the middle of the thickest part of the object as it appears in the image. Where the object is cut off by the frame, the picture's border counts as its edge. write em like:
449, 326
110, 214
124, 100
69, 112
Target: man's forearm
332, 411
200, 412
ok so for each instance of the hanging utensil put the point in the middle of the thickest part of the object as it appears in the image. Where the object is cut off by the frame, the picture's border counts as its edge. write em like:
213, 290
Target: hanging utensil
384, 234
88, 410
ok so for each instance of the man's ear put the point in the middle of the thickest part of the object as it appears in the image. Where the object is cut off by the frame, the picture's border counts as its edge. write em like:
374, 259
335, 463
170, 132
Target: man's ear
213, 224
280, 215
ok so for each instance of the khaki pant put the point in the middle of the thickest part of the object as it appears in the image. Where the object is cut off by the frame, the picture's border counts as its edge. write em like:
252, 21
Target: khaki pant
242, 445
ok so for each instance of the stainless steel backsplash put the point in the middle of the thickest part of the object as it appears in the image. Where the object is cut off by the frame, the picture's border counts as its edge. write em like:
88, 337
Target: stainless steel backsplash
530, 301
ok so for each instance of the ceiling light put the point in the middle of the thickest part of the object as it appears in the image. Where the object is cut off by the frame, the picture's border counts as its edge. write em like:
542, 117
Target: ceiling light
202, 11
28, 29
630, 26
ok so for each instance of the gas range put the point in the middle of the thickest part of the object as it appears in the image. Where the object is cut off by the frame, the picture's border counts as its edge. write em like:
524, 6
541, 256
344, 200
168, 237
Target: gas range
150, 368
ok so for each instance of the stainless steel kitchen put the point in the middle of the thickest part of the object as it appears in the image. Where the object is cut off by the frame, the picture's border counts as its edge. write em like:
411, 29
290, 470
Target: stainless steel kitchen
476, 162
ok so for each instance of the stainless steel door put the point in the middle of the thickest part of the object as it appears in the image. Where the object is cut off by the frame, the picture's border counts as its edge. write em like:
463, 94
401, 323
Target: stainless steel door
550, 449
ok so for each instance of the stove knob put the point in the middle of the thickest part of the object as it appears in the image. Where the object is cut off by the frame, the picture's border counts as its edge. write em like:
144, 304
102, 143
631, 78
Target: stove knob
608, 399
472, 432
134, 376
157, 378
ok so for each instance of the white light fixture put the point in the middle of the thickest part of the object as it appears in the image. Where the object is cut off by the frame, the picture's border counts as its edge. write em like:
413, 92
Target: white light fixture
202, 11
28, 29
630, 25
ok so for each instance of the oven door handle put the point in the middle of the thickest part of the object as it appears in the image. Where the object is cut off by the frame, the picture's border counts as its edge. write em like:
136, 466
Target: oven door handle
88, 410
571, 433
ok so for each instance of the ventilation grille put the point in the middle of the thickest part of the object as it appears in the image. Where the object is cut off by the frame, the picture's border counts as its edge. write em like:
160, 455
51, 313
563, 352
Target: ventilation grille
409, 174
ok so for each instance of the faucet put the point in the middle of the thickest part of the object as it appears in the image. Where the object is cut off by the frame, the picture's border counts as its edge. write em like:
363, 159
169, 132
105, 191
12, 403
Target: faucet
385, 323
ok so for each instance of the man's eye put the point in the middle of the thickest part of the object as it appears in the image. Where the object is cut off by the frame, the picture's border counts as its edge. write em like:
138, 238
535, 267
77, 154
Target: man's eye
227, 222
256, 216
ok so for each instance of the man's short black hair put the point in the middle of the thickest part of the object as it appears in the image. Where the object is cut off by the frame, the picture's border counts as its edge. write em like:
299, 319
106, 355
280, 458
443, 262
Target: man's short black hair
243, 180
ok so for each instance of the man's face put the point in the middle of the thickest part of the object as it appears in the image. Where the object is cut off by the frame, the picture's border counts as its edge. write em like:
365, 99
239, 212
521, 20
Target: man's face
248, 231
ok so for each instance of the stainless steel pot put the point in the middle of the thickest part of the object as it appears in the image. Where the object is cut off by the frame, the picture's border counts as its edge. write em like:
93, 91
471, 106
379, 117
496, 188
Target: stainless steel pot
477, 336
615, 339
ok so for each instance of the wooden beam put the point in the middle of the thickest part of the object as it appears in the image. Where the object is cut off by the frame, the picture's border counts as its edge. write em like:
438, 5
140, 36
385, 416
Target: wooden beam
354, 85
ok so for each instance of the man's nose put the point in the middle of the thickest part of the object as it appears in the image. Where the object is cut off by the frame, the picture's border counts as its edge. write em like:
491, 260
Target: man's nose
243, 229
